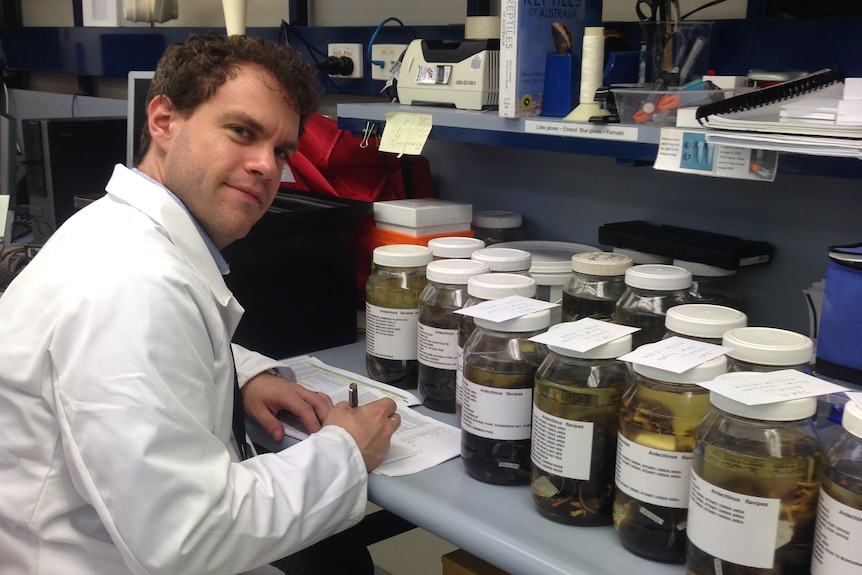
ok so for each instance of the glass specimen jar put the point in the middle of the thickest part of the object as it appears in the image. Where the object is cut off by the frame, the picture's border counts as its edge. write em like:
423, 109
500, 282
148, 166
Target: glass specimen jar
500, 364
505, 260
658, 416
767, 349
839, 513
481, 288
496, 226
597, 282
651, 290
712, 284
702, 321
755, 480
392, 312
437, 336
575, 424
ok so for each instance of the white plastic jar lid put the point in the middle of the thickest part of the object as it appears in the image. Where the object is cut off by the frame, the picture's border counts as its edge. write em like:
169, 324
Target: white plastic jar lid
790, 410
703, 320
659, 277
495, 286
504, 259
402, 255
640, 258
601, 263
454, 271
704, 270
707, 371
768, 346
851, 420
497, 219
531, 322
455, 247
609, 350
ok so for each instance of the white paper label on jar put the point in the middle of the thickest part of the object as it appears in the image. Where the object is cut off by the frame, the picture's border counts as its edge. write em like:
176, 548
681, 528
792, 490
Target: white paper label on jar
836, 538
741, 529
391, 333
437, 347
652, 475
459, 376
561, 446
495, 412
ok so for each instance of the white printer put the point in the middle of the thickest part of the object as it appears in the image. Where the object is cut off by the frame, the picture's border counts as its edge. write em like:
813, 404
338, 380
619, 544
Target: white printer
463, 74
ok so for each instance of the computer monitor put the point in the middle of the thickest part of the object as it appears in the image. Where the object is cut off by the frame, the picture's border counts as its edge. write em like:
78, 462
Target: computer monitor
139, 83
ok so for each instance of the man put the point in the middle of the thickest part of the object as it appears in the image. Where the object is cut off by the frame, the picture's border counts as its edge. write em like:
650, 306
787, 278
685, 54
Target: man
116, 368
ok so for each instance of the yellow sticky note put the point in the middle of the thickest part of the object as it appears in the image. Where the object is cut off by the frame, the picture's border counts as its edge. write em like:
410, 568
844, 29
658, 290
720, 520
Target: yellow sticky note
405, 133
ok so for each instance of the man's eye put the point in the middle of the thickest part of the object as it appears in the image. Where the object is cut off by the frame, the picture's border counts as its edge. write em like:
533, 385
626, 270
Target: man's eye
241, 131
282, 154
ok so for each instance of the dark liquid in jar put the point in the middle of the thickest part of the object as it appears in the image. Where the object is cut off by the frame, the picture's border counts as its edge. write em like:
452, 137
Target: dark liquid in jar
401, 373
575, 308
651, 326
574, 501
499, 461
436, 385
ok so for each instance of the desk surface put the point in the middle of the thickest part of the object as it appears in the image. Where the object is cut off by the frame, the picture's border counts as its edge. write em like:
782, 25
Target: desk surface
499, 524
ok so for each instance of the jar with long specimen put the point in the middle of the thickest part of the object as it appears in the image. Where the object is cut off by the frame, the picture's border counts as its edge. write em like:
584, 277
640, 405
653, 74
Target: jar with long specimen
597, 282
702, 321
767, 349
437, 336
651, 289
500, 364
575, 423
839, 513
482, 288
658, 416
392, 312
755, 480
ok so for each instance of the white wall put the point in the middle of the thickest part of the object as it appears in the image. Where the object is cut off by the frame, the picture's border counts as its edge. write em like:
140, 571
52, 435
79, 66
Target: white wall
269, 13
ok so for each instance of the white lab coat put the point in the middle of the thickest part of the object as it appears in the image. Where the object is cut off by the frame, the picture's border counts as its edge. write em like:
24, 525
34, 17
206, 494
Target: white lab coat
115, 410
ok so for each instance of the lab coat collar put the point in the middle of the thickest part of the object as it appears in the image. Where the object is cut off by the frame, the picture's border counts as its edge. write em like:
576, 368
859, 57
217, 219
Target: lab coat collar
153, 200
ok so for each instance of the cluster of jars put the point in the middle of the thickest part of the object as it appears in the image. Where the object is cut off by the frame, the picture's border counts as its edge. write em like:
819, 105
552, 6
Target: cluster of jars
667, 462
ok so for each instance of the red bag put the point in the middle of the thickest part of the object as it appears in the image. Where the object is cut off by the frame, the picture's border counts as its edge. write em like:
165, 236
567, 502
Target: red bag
335, 162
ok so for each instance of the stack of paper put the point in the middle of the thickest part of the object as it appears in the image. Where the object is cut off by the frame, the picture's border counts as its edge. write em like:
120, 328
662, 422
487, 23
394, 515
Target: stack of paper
810, 111
849, 110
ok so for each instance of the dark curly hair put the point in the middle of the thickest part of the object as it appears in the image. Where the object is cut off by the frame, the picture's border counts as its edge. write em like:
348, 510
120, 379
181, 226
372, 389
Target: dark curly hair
190, 72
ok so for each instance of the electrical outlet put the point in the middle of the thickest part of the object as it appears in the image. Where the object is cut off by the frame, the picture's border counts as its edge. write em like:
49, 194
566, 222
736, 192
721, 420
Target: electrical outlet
388, 54
352, 51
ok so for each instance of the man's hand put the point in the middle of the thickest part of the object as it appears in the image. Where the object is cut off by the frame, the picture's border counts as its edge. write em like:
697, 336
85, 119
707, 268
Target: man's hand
371, 426
265, 395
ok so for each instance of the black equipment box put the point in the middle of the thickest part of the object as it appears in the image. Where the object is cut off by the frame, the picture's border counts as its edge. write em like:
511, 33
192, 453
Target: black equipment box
295, 275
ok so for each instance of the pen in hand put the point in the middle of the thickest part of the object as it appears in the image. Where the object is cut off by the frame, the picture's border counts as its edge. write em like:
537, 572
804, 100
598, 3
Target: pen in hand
353, 398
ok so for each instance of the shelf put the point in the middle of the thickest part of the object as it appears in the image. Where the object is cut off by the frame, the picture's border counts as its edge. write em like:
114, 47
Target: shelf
635, 145
632, 144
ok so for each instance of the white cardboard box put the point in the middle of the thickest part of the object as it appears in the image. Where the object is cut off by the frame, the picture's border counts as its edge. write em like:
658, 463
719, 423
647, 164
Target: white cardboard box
422, 213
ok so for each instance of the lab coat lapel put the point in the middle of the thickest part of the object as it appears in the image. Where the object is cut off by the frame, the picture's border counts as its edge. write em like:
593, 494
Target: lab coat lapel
151, 199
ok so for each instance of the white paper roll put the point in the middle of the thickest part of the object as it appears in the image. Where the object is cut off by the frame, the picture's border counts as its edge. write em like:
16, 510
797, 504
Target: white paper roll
591, 63
234, 16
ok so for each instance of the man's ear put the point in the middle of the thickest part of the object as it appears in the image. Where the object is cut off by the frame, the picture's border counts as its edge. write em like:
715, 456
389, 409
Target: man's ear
160, 116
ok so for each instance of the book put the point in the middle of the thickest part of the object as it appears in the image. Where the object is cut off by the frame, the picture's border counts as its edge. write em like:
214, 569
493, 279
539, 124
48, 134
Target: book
760, 111
526, 41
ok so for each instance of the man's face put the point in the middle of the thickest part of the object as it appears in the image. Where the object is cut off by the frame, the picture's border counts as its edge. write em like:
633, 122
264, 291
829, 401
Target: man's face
224, 159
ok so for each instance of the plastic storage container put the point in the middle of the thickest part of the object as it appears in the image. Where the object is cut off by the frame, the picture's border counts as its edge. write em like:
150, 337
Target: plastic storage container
574, 438
702, 321
839, 516
658, 416
754, 480
651, 290
480, 288
495, 226
392, 312
596, 284
454, 247
437, 337
767, 349
500, 364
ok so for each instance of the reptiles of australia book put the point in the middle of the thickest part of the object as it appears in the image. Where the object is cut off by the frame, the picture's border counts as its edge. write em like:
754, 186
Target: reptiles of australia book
530, 31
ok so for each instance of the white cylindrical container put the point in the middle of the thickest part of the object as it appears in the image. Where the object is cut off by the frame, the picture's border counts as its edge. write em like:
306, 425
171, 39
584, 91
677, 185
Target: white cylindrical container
505, 260
454, 247
703, 321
